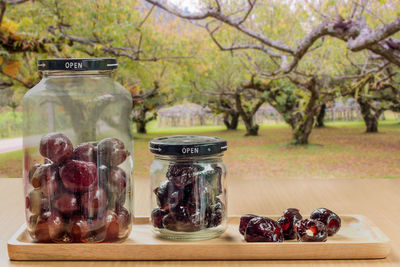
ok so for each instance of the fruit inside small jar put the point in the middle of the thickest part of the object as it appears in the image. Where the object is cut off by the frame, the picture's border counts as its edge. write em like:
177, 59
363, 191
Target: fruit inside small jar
190, 199
78, 194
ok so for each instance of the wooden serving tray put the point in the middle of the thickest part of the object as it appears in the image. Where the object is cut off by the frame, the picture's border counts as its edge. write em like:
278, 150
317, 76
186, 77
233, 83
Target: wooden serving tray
357, 239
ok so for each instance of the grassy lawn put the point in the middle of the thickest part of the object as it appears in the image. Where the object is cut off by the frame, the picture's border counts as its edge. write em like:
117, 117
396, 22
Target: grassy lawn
341, 150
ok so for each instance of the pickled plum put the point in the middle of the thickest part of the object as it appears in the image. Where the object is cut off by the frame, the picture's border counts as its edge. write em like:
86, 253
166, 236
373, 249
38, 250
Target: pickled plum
66, 203
309, 230
244, 220
168, 195
94, 202
85, 152
161, 193
329, 218
263, 229
49, 227
103, 176
124, 219
118, 181
287, 221
111, 152
157, 216
187, 201
48, 174
68, 179
56, 147
179, 220
78, 229
78, 175
217, 214
112, 226
183, 174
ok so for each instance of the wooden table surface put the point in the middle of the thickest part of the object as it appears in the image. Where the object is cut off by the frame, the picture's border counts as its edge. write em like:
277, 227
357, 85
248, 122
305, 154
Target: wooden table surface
377, 199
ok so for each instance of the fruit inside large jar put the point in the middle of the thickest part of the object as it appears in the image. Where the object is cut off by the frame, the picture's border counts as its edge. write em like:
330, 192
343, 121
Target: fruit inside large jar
191, 198
78, 194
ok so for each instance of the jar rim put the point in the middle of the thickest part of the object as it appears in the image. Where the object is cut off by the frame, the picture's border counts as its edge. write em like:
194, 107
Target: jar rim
188, 145
77, 64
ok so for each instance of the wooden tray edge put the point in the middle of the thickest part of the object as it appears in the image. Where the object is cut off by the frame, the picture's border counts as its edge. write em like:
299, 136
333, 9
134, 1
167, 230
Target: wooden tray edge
382, 249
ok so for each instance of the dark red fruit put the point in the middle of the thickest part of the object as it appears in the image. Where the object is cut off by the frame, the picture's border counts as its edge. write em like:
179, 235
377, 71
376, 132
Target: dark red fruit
111, 152
161, 193
78, 175
104, 176
183, 174
49, 179
78, 229
329, 218
181, 220
262, 229
112, 226
94, 202
49, 227
85, 152
118, 181
124, 219
168, 196
244, 220
157, 216
217, 214
56, 147
66, 203
309, 230
287, 221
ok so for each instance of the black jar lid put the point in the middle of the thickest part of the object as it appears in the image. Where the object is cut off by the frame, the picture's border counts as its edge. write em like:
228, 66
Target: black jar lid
181, 145
78, 64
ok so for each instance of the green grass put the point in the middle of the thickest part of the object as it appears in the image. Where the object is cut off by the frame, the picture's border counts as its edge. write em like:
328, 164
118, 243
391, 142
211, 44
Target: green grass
11, 164
10, 124
341, 151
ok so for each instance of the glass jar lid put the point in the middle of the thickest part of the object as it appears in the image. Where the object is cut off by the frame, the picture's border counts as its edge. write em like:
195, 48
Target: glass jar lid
77, 64
181, 145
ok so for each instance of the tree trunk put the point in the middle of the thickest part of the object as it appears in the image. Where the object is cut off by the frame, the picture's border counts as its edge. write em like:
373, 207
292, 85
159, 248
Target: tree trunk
251, 127
321, 116
371, 124
369, 115
303, 130
141, 127
231, 121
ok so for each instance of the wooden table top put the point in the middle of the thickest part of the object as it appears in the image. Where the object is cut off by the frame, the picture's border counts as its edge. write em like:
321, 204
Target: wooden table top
377, 199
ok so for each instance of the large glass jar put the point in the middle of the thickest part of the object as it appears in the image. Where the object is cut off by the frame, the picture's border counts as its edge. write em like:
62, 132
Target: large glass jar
188, 187
77, 153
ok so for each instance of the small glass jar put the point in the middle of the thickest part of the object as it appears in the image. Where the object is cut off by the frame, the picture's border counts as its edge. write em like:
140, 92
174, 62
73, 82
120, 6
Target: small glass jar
77, 153
188, 187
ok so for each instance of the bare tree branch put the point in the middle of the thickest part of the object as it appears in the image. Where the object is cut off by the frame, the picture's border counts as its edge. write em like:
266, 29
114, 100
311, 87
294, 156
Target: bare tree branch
356, 33
236, 23
146, 17
367, 37
251, 4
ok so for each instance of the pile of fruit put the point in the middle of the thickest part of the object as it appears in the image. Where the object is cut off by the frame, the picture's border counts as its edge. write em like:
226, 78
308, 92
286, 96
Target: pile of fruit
321, 224
189, 200
78, 194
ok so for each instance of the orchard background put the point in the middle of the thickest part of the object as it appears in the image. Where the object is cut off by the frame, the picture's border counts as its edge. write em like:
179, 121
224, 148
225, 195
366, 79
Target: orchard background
299, 88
